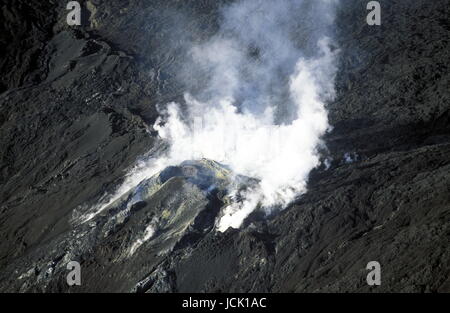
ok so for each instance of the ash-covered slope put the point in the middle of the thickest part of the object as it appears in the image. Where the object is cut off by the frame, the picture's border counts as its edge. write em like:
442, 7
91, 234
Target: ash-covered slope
75, 111
170, 211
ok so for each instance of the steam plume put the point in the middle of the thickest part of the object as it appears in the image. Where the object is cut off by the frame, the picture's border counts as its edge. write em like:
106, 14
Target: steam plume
266, 76
263, 111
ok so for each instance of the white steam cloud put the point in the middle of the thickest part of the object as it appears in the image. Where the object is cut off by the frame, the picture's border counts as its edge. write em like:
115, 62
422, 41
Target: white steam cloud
280, 156
247, 118
267, 75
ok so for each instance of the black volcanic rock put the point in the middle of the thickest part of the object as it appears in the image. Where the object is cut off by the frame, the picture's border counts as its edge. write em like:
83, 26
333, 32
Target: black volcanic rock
167, 212
76, 109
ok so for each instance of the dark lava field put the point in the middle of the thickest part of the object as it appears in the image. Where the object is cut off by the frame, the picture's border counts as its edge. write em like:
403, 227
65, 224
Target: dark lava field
77, 105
